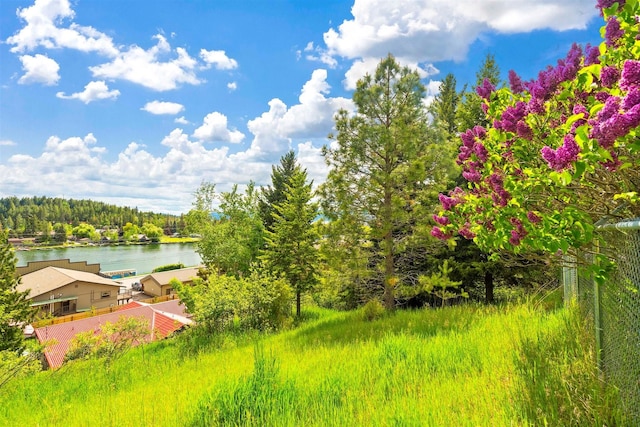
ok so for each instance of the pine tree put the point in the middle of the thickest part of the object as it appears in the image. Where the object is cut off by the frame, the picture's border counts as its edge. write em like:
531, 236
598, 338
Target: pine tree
15, 310
291, 245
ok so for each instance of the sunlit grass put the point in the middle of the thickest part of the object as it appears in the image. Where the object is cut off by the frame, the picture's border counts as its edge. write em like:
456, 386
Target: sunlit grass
459, 366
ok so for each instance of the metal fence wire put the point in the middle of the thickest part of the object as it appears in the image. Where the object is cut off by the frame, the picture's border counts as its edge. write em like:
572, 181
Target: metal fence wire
614, 308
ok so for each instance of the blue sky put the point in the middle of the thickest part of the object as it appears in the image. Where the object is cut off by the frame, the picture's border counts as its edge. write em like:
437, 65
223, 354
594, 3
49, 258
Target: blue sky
137, 102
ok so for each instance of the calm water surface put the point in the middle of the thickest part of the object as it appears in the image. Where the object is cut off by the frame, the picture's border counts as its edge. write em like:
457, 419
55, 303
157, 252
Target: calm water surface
142, 258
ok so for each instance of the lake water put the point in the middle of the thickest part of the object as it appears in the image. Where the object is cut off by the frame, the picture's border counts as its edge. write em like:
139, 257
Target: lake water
142, 258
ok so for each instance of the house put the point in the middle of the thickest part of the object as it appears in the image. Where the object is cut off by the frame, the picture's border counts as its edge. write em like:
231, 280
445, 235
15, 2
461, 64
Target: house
59, 291
162, 319
157, 284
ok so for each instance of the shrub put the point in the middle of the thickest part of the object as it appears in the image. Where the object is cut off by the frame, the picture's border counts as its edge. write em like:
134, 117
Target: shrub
168, 267
373, 310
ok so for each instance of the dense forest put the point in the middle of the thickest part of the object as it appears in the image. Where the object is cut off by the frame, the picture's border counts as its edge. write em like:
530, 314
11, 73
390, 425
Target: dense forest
33, 216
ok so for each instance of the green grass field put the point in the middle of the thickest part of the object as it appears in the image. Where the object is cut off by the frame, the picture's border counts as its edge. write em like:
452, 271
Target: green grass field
460, 366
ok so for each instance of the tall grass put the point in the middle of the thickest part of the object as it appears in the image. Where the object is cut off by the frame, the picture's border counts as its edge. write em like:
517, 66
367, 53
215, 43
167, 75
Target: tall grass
459, 366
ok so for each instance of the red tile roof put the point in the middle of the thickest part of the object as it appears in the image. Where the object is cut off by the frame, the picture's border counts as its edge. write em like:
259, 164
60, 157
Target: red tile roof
161, 324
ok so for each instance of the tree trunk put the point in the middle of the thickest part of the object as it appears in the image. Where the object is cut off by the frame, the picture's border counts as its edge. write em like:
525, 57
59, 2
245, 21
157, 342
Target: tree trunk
488, 287
389, 279
298, 304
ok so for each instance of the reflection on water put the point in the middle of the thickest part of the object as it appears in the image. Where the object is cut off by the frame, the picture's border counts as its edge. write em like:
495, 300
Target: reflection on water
142, 258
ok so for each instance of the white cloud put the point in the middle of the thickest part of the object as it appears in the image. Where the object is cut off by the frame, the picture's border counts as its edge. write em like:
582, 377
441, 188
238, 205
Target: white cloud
218, 59
78, 167
39, 69
42, 30
7, 143
146, 68
214, 128
93, 91
181, 120
162, 107
232, 86
420, 32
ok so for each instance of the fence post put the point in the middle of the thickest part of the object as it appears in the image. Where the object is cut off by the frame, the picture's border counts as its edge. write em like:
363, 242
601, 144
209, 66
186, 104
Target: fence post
596, 311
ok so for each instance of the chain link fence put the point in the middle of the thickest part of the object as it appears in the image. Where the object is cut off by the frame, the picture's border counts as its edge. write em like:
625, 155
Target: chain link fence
614, 307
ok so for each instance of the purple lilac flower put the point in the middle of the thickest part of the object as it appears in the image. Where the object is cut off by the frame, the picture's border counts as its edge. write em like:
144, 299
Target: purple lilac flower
439, 234
561, 158
630, 74
536, 106
632, 117
479, 131
611, 108
524, 131
515, 238
480, 151
605, 4
613, 32
592, 55
632, 99
533, 218
442, 220
468, 138
515, 222
466, 233
485, 89
602, 96
472, 175
515, 82
447, 202
609, 76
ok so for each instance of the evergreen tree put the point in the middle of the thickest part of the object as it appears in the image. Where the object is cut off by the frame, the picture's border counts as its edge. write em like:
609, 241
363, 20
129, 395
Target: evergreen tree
470, 111
383, 162
274, 194
291, 246
445, 106
15, 310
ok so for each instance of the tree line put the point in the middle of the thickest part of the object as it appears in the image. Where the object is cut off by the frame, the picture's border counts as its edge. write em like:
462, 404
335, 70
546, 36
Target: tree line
38, 216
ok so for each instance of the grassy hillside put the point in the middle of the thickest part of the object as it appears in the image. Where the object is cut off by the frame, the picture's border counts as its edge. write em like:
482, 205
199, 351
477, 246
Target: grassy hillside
461, 366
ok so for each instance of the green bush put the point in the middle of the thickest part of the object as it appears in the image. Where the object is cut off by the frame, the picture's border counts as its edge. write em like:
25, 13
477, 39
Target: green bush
168, 267
373, 310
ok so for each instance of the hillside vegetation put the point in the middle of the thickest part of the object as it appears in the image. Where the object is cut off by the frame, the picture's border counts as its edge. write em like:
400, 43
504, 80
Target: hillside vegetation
459, 366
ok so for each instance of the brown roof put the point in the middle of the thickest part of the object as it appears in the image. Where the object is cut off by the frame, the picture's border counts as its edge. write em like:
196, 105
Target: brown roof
161, 325
182, 274
51, 278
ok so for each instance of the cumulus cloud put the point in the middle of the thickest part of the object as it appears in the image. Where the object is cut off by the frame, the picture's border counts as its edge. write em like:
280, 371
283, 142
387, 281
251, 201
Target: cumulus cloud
93, 91
214, 128
218, 59
182, 120
164, 181
39, 69
162, 107
7, 143
232, 86
420, 32
42, 29
146, 67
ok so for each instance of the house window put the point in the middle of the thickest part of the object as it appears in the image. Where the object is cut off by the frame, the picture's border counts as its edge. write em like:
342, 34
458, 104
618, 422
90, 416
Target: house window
105, 294
66, 306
